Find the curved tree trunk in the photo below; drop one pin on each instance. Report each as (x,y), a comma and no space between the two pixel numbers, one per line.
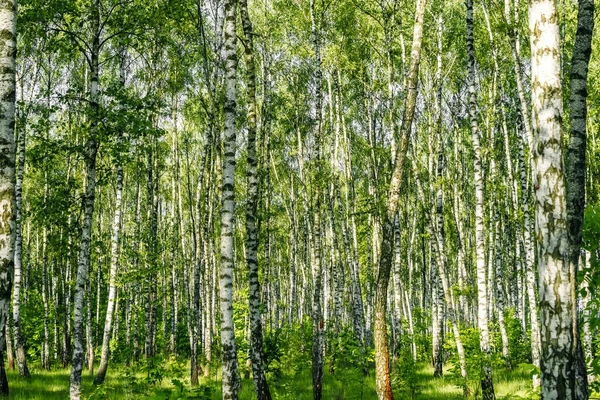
(382,368)
(114,253)
(112,290)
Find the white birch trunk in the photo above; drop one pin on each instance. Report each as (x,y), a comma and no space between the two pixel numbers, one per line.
(230,373)
(91,149)
(8,19)
(487,385)
(550,204)
(112,289)
(18,334)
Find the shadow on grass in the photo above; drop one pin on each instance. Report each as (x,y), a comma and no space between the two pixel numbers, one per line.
(54,384)
(345,384)
(508,385)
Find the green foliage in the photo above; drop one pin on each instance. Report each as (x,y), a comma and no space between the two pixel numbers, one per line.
(519,345)
(518,341)
(347,352)
(154,371)
(422,321)
(591,228)
(180,391)
(474,357)
(273,345)
(296,355)
(101,392)
(344,384)
(405,377)
(595,362)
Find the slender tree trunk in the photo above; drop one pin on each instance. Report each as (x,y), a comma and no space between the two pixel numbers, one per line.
(112,289)
(382,368)
(487,385)
(437,316)
(18,334)
(517,66)
(45,298)
(358,315)
(349,228)
(209,266)
(575,172)
(230,373)
(556,305)
(195,322)
(178,234)
(133,356)
(150,289)
(443,280)
(530,283)
(500,293)
(89,341)
(199,237)
(114,251)
(436,290)
(442,262)
(587,341)
(8,18)
(463,301)
(90,152)
(316,248)
(67,302)
(397,283)
(9,346)
(256,334)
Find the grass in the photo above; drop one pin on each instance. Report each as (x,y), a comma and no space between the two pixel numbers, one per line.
(508,385)
(345,384)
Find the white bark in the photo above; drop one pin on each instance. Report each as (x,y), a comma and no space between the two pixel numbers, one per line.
(112,289)
(8,49)
(316,251)
(230,374)
(550,203)
(91,149)
(482,292)
(18,335)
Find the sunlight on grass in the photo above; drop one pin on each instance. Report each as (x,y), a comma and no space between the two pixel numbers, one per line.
(345,384)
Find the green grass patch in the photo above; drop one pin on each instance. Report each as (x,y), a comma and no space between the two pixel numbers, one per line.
(171,382)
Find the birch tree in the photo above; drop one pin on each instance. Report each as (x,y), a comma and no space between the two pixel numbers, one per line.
(382,377)
(90,153)
(487,385)
(552,238)
(575,172)
(230,374)
(256,331)
(316,250)
(17,275)
(8,19)
(114,251)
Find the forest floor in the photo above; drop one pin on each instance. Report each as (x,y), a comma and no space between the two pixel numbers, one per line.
(345,384)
